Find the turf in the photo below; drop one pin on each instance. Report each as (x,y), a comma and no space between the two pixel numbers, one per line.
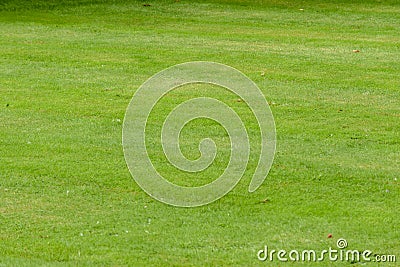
(68,70)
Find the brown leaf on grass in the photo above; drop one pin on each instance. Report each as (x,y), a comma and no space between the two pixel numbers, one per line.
(264,200)
(356,51)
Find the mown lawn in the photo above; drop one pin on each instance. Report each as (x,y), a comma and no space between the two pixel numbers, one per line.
(330,71)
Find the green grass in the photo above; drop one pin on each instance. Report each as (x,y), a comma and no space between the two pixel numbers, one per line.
(69,69)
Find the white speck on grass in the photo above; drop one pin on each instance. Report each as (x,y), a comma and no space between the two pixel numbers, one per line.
(387,191)
(81,234)
(97,222)
(147,232)
(67,192)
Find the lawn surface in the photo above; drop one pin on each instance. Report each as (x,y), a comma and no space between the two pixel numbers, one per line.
(68,69)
